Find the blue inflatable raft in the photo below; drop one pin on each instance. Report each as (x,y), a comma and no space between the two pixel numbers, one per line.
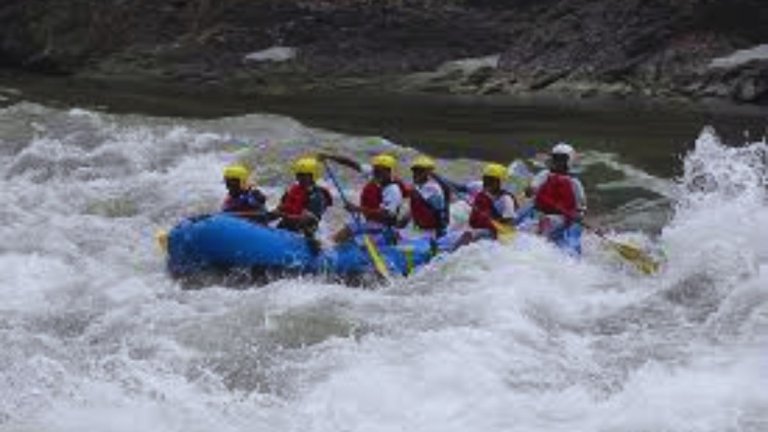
(244,252)
(568,238)
(222,243)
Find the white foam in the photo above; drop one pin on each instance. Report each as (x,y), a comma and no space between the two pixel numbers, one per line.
(470,64)
(273,54)
(493,338)
(740,57)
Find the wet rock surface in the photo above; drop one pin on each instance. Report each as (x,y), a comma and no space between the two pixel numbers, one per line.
(583,48)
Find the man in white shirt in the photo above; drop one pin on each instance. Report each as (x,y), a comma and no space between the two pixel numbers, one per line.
(380,200)
(558,196)
(429,212)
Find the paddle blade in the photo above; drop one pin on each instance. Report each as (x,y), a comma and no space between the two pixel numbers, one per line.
(638,257)
(378,261)
(505,233)
(161,240)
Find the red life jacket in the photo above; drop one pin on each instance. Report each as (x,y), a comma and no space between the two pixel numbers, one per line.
(484,210)
(298,199)
(372,197)
(424,215)
(556,196)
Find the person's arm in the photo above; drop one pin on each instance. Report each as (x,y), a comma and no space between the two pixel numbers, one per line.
(508,210)
(258,201)
(434,197)
(391,202)
(450,184)
(537,181)
(377,214)
(342,160)
(581,199)
(259,198)
(404,220)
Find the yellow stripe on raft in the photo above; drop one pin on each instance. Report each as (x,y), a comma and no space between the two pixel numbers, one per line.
(378,261)
(408,251)
(161,239)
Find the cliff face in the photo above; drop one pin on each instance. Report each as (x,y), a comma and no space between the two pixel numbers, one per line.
(585,47)
(340,37)
(659,47)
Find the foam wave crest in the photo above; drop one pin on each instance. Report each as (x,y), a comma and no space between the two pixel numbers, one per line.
(497,337)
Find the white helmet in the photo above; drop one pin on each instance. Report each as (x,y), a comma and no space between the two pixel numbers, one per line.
(566,150)
(563,149)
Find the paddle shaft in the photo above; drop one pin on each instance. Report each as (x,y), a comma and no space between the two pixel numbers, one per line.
(641,259)
(370,246)
(342,195)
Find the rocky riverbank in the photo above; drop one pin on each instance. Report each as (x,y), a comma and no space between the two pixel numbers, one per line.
(689,49)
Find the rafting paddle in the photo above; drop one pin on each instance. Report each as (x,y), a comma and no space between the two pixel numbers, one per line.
(641,259)
(638,257)
(161,240)
(370,246)
(504,233)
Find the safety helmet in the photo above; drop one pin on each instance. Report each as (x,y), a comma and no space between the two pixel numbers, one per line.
(238,172)
(563,149)
(496,170)
(307,165)
(384,160)
(424,162)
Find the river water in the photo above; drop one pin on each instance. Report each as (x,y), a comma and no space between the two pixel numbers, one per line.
(95,336)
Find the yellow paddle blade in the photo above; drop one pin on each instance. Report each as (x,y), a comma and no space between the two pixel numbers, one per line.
(505,233)
(378,261)
(161,239)
(639,258)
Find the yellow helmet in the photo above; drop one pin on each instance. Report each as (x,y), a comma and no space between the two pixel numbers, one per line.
(307,165)
(239,172)
(424,162)
(496,170)
(384,160)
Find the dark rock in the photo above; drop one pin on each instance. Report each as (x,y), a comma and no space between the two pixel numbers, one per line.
(752,87)
(479,76)
(717,90)
(545,78)
(623,46)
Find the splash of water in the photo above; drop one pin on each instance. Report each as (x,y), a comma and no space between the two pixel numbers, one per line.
(493,338)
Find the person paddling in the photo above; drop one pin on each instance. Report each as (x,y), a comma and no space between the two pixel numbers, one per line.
(242,198)
(493,207)
(380,199)
(429,201)
(558,196)
(304,203)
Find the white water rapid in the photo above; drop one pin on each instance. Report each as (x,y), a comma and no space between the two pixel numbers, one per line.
(95,337)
